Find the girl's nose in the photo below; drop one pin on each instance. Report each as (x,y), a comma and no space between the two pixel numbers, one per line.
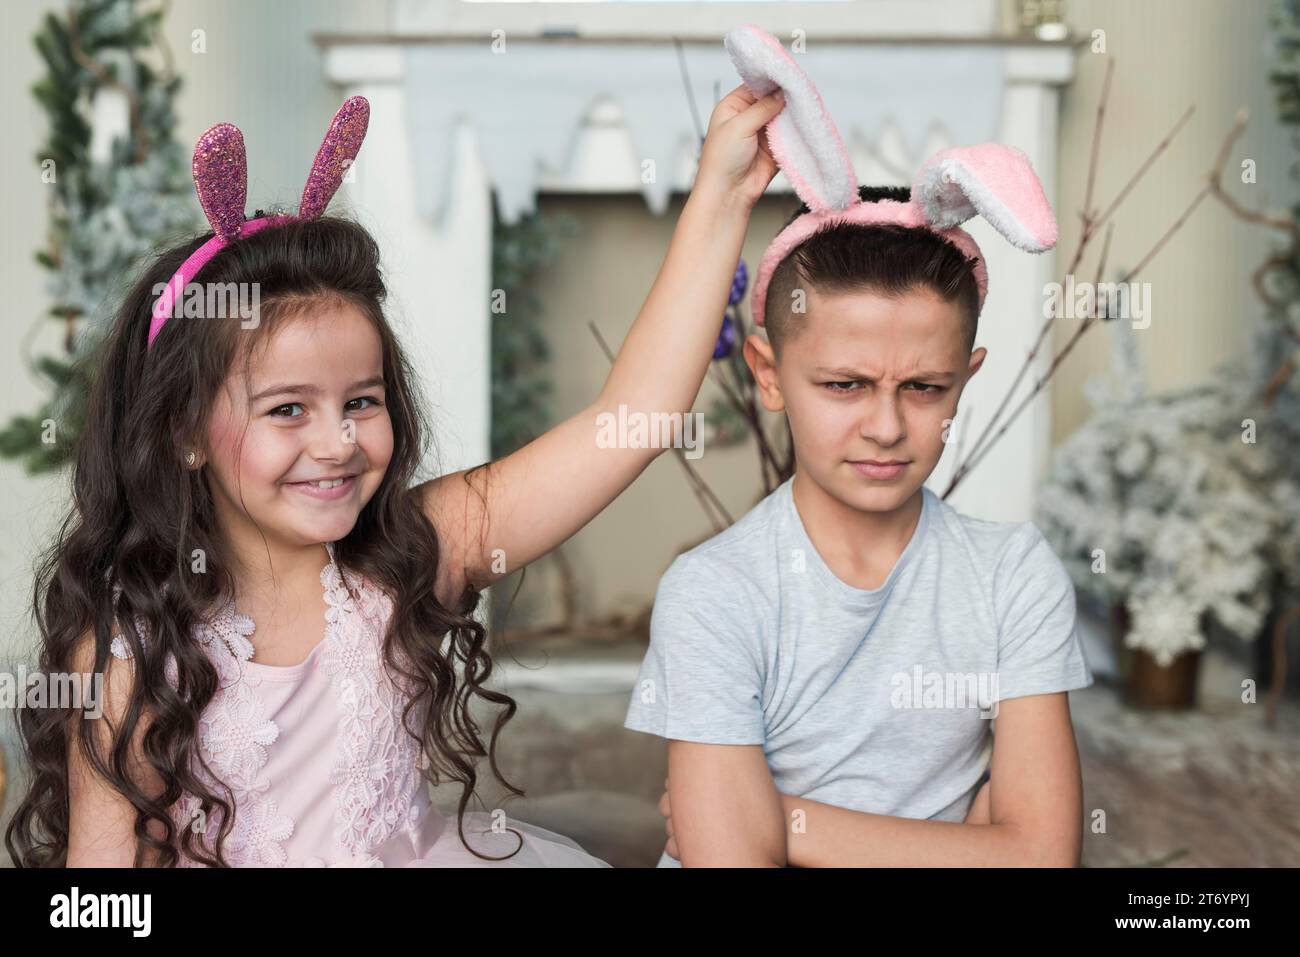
(334,441)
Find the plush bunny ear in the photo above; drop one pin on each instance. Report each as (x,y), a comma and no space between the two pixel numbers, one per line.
(990,179)
(802,137)
(337,151)
(220,170)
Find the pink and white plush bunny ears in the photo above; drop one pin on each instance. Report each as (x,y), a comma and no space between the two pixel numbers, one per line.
(990,179)
(221,179)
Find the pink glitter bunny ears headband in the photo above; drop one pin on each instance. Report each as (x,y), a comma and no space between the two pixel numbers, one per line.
(221,179)
(991,180)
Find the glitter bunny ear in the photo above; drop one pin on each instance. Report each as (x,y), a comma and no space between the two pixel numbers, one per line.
(221,178)
(337,151)
(802,137)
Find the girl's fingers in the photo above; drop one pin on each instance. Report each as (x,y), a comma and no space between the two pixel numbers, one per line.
(743,94)
(759,113)
(731,105)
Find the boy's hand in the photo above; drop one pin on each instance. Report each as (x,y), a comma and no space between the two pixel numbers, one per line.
(736,161)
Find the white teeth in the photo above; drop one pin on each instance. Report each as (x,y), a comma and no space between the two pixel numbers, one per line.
(328,483)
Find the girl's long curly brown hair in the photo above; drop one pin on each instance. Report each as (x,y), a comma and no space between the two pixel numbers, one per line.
(138,515)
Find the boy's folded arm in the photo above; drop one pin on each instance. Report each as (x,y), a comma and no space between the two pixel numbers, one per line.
(1036,808)
(726,811)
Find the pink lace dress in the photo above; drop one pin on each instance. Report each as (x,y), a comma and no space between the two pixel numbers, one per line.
(322,772)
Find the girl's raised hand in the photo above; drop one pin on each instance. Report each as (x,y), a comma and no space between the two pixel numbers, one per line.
(736,161)
(498,520)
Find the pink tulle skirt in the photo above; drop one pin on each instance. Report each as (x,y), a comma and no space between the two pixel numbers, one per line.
(432,840)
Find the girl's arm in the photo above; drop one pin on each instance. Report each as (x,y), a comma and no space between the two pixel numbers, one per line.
(502,517)
(101,821)
(1035,808)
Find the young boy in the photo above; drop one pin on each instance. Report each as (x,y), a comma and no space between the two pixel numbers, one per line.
(828,669)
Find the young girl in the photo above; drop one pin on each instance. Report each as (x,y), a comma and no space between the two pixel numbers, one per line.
(282,618)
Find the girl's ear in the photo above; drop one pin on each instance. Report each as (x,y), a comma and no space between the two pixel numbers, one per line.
(802,138)
(994,181)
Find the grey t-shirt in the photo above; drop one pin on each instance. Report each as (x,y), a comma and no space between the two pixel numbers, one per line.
(873,700)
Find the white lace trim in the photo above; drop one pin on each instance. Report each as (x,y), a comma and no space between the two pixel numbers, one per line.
(376,773)
(374,776)
(234,734)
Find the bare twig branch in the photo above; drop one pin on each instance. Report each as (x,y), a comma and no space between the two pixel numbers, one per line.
(993,429)
(1160,148)
(702,490)
(1084,326)
(1281,261)
(749,413)
(1096,148)
(1105,252)
(690,95)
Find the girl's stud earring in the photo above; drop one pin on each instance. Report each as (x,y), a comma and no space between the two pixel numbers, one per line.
(191,458)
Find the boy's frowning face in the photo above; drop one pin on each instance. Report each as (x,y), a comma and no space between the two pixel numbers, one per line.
(870,384)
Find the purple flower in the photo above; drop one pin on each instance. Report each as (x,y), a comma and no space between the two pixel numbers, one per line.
(739,284)
(726,339)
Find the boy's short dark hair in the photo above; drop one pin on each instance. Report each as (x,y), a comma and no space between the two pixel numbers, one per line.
(889,259)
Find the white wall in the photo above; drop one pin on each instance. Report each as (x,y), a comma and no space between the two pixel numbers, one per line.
(262,71)
(1169,55)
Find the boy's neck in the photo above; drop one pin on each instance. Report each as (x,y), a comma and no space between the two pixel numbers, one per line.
(860,548)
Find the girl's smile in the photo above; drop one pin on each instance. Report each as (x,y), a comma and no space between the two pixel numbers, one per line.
(328,490)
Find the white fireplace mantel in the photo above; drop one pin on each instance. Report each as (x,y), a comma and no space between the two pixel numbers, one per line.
(434,223)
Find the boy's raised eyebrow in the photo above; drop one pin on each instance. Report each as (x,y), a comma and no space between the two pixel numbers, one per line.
(292,389)
(854,374)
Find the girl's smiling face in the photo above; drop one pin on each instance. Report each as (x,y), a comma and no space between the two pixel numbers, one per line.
(311,407)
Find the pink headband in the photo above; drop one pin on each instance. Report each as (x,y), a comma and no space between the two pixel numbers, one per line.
(991,180)
(221,178)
